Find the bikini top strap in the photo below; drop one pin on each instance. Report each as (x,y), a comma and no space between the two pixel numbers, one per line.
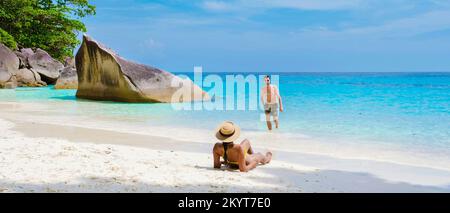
(225,157)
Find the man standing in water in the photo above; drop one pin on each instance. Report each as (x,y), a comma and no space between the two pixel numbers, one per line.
(271,99)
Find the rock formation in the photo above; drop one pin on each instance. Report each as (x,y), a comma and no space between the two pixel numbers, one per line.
(68,79)
(23,55)
(103,75)
(15,69)
(48,68)
(9,65)
(29,78)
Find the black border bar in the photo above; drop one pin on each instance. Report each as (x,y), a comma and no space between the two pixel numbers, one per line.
(229,202)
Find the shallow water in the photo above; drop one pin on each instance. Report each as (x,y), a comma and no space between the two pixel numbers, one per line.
(401,111)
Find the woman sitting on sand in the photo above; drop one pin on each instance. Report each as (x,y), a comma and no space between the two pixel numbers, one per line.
(236,156)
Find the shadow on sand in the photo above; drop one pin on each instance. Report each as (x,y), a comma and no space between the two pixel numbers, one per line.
(344,181)
(301,181)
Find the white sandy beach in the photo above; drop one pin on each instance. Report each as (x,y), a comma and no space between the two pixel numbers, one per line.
(37,155)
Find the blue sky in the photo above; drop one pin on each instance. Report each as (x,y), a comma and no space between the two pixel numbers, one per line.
(278,35)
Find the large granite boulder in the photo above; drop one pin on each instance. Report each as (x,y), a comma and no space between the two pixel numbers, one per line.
(103,75)
(23,55)
(28,78)
(9,64)
(45,65)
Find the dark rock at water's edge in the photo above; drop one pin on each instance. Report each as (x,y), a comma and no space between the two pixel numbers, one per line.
(68,79)
(103,75)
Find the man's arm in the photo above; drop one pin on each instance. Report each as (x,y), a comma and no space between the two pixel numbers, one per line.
(279,99)
(262,96)
(216,157)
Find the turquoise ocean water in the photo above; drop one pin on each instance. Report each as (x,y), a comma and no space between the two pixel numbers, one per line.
(410,110)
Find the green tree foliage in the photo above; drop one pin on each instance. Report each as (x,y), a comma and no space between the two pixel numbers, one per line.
(52,25)
(7,39)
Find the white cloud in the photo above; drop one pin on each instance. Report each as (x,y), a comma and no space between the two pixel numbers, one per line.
(404,27)
(423,23)
(216,6)
(312,4)
(237,5)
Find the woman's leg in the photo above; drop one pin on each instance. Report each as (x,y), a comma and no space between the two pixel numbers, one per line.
(252,156)
(260,158)
(247,146)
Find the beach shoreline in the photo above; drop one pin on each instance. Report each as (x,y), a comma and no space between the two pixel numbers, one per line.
(51,113)
(43,157)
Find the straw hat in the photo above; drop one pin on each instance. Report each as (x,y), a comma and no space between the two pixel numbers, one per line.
(228,132)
